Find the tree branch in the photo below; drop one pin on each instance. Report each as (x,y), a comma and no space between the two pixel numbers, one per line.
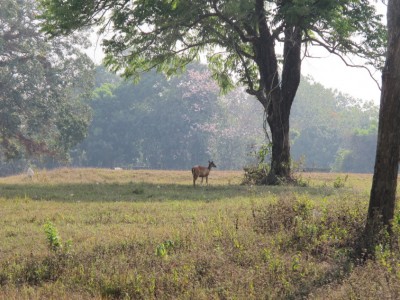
(333,50)
(245,38)
(246,69)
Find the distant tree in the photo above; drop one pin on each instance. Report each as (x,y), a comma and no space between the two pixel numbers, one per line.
(104,79)
(240,37)
(318,144)
(384,184)
(157,123)
(237,132)
(324,121)
(129,128)
(168,123)
(359,152)
(42,84)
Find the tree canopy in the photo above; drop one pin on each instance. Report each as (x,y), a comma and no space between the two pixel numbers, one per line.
(42,84)
(169,34)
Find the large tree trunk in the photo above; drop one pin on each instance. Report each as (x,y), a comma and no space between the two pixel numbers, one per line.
(383,191)
(277,96)
(280,159)
(279,106)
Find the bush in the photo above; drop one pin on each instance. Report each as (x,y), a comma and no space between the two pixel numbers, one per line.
(255,174)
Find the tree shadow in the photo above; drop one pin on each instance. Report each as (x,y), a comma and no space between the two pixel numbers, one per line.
(130,192)
(147,192)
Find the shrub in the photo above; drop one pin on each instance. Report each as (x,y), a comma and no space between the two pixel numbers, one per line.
(55,243)
(339,182)
(52,237)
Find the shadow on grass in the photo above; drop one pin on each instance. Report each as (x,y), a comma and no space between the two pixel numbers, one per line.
(148,192)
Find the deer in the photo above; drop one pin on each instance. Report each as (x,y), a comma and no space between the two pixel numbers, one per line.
(200,171)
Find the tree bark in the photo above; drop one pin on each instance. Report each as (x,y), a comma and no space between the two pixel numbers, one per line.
(279,97)
(384,184)
(280,159)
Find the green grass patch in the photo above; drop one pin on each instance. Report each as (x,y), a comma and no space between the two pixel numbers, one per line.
(147,192)
(101,234)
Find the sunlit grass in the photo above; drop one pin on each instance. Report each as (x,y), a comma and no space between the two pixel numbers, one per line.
(97,176)
(148,234)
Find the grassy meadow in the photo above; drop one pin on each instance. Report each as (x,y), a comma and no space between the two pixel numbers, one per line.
(143,234)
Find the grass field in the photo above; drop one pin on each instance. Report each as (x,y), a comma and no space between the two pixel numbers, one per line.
(105,234)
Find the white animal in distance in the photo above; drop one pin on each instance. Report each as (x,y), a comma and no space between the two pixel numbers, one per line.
(30,173)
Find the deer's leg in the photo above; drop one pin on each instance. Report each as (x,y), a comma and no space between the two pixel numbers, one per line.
(194,180)
(202,180)
(207,180)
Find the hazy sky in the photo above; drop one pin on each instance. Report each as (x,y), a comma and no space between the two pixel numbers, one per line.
(331,72)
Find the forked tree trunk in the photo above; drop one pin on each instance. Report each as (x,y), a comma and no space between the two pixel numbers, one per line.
(274,94)
(279,99)
(383,191)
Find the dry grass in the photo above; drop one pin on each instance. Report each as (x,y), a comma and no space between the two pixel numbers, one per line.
(359,182)
(92,175)
(150,235)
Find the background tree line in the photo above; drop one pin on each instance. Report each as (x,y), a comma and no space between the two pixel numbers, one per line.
(173,124)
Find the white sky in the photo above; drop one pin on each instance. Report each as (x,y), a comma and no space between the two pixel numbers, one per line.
(331,72)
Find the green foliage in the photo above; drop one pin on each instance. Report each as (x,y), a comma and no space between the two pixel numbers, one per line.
(54,240)
(264,152)
(43,85)
(164,248)
(53,237)
(323,123)
(255,174)
(359,155)
(340,182)
(169,34)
